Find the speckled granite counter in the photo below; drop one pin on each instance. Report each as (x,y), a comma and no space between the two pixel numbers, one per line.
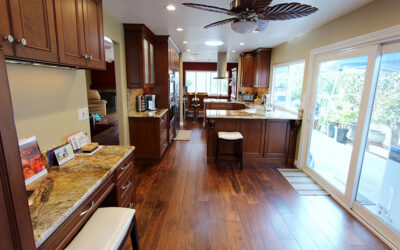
(64,188)
(252,113)
(154,114)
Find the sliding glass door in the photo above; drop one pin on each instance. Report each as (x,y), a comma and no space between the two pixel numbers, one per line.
(378,191)
(353,130)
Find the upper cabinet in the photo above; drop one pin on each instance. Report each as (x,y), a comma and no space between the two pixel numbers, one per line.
(80,33)
(256,68)
(63,32)
(140,56)
(33,35)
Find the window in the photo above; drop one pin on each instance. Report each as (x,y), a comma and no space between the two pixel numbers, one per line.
(203,81)
(288,82)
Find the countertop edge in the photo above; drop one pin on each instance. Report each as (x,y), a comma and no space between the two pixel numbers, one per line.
(54,227)
(146,115)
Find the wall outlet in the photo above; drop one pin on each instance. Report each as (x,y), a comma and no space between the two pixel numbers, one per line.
(83,114)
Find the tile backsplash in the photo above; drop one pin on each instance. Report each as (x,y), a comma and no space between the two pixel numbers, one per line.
(132,94)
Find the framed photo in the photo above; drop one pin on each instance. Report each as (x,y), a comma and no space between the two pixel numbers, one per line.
(33,165)
(64,154)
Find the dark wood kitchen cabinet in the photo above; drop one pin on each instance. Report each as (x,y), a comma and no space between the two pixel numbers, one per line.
(256,68)
(140,56)
(33,35)
(80,33)
(149,135)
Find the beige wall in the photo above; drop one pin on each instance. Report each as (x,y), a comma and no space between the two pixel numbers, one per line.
(46,102)
(374,16)
(114,30)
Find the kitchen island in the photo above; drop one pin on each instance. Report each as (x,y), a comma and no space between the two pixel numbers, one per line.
(268,136)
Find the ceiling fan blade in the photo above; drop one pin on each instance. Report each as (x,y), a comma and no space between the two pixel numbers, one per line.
(262,25)
(210,8)
(260,5)
(220,23)
(287,11)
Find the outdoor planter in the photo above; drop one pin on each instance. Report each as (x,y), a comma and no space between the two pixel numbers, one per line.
(331,129)
(341,135)
(376,137)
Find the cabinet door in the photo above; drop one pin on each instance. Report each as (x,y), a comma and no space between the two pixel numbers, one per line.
(253,134)
(6,36)
(94,34)
(277,139)
(247,75)
(34,30)
(70,31)
(263,69)
(152,77)
(134,58)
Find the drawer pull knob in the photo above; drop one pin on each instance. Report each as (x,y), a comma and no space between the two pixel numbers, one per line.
(9,38)
(23,41)
(126,166)
(126,186)
(91,207)
(130,204)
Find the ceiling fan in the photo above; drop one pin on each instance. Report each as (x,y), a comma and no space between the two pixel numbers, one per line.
(254,15)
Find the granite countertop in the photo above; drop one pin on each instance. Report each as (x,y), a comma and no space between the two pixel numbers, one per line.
(64,188)
(151,114)
(252,113)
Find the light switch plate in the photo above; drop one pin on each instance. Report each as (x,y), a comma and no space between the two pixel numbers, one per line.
(83,114)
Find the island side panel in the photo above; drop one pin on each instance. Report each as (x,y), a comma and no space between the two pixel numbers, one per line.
(264,140)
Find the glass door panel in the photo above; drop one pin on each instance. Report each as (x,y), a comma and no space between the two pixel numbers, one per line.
(379,184)
(338,96)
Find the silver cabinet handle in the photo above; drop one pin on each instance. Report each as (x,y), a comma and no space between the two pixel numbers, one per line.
(85,56)
(22,41)
(90,57)
(126,166)
(91,207)
(9,38)
(126,186)
(130,204)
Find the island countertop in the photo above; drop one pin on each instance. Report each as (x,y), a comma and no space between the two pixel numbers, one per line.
(254,112)
(150,114)
(64,188)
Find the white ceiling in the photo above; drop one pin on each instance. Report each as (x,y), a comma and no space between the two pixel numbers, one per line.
(162,22)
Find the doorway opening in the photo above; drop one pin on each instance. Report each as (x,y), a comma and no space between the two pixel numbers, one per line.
(102,100)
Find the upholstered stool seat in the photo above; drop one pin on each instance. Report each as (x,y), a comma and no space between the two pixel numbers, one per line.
(235,138)
(230,135)
(108,228)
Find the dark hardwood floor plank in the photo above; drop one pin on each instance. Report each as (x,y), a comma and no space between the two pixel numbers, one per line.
(185,203)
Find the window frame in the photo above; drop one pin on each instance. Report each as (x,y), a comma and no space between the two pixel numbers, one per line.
(211,72)
(272,91)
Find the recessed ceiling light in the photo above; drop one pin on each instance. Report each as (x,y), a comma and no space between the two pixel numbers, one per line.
(213,43)
(241,44)
(179,29)
(185,42)
(170,7)
(233,51)
(188,50)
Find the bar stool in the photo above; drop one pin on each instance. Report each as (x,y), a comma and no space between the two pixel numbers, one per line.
(108,228)
(234,138)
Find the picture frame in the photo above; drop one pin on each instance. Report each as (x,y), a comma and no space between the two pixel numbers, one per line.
(33,165)
(64,154)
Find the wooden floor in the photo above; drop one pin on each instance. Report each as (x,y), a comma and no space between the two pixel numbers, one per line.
(185,203)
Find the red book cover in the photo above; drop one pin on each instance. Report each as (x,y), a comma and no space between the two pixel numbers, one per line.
(33,165)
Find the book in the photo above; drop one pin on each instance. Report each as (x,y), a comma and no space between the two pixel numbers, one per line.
(33,165)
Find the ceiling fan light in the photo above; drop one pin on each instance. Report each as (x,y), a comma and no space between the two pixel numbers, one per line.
(244,26)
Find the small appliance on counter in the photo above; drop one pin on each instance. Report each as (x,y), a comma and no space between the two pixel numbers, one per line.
(140,103)
(151,102)
(248,98)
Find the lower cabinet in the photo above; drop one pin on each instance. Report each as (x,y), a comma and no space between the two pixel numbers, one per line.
(149,135)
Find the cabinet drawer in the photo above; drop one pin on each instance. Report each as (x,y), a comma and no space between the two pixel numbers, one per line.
(130,199)
(125,185)
(67,230)
(163,120)
(124,167)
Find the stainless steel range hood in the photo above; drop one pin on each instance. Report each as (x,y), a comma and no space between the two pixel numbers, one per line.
(222,66)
